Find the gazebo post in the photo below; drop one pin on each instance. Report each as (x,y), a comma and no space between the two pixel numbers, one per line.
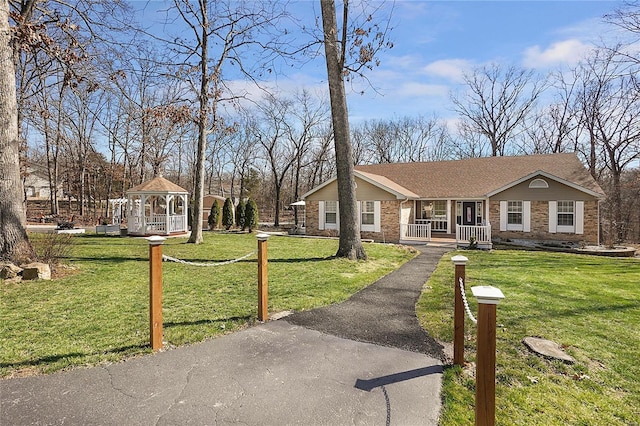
(129,211)
(185,211)
(167,223)
(143,213)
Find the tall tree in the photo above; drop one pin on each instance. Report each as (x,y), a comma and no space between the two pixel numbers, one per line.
(610,104)
(240,150)
(279,150)
(309,117)
(361,43)
(556,127)
(350,245)
(323,162)
(14,242)
(51,40)
(497,103)
(222,34)
(83,108)
(407,139)
(627,18)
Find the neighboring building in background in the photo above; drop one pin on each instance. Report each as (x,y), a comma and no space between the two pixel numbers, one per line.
(535,197)
(207,202)
(36,185)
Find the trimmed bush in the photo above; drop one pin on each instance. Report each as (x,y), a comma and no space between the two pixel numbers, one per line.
(214,215)
(227,214)
(251,215)
(240,215)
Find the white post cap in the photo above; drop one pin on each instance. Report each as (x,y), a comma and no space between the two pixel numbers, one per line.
(155,240)
(487,294)
(459,260)
(262,237)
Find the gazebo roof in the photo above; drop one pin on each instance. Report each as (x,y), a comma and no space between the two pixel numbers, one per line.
(157,185)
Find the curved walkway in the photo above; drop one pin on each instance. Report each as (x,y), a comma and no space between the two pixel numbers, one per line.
(277,373)
(384,312)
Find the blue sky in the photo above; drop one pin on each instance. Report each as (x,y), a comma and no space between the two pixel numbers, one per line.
(436,41)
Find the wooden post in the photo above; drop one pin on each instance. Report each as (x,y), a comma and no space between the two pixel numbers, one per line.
(488,299)
(458,311)
(155,291)
(263,284)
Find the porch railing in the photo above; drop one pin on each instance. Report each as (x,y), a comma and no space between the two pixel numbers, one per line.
(439,225)
(481,234)
(415,231)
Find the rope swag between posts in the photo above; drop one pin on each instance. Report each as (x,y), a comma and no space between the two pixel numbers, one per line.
(166,258)
(466,304)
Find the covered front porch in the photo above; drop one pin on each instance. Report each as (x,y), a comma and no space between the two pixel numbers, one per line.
(463,237)
(462,220)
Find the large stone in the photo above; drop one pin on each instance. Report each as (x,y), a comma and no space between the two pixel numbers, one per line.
(9,270)
(36,271)
(548,349)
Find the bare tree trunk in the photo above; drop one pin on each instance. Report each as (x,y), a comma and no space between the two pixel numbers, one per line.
(198,196)
(203,126)
(296,191)
(14,243)
(350,245)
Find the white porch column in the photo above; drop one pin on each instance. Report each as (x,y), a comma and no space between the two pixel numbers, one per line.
(449,216)
(486,212)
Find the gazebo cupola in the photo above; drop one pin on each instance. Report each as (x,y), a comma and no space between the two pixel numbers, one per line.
(157,207)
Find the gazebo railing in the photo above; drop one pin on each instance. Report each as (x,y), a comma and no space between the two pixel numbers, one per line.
(156,223)
(176,223)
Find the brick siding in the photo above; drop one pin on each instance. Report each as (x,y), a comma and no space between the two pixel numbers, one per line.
(540,224)
(389,223)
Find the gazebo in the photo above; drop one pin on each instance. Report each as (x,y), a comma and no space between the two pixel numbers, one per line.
(157,207)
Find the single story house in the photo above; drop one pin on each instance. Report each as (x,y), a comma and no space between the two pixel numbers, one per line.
(534,197)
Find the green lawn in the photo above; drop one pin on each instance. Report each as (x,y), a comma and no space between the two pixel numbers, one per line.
(99,313)
(590,305)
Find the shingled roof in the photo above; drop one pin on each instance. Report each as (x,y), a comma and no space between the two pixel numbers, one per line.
(479,177)
(387,184)
(158,184)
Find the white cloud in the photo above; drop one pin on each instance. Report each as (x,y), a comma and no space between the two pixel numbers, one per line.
(592,30)
(414,89)
(411,9)
(452,69)
(567,52)
(404,62)
(284,86)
